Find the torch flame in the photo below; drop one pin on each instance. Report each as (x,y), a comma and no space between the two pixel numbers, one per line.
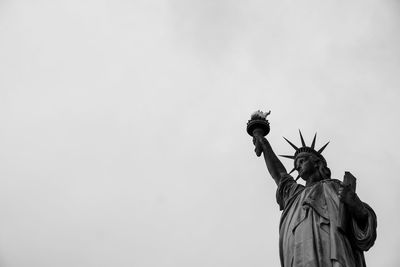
(260,115)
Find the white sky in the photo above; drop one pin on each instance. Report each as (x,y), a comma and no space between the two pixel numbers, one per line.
(122,125)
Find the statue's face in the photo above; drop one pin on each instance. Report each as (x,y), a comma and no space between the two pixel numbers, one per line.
(305,165)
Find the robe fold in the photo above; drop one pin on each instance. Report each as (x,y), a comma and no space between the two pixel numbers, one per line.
(309,230)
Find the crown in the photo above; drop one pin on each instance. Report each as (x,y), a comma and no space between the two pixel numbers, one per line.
(305,149)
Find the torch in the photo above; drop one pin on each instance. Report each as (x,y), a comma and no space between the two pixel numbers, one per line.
(258,126)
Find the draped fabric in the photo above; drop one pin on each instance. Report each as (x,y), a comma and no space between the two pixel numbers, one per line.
(309,231)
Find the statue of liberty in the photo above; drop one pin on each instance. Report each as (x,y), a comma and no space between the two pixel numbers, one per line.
(324,222)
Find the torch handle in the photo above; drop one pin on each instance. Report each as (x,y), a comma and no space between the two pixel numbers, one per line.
(258,133)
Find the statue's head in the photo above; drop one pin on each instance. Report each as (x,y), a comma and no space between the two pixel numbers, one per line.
(310,164)
(308,161)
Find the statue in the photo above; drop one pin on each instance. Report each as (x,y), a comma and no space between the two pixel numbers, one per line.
(323,223)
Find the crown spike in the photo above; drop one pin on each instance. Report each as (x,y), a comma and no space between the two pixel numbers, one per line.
(322,148)
(290,143)
(297,178)
(302,139)
(292,170)
(313,141)
(287,156)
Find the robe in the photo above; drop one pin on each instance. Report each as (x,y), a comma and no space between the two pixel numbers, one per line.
(310,234)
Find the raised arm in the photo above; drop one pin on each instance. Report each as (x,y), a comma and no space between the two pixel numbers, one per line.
(274,165)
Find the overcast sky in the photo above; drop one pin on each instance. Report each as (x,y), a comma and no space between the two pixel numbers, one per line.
(122,125)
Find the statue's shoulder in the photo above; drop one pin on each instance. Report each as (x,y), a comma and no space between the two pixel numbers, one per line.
(332,180)
(333,183)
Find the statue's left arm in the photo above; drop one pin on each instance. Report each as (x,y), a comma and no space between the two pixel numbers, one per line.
(363,219)
(364,234)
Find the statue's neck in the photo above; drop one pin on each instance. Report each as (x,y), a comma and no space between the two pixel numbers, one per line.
(315,177)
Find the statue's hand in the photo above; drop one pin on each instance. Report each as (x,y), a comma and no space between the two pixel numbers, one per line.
(258,143)
(349,197)
(353,202)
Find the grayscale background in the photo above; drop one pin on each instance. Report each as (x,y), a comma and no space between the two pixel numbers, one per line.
(122,125)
